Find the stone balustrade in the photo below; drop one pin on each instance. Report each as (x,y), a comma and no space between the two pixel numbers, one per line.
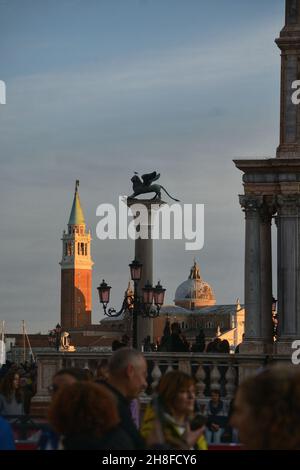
(211,371)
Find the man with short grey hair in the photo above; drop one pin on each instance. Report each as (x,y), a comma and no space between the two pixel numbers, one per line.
(127,379)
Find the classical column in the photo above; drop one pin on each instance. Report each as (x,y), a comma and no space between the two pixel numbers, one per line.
(252,206)
(289,44)
(266,213)
(288,223)
(258,274)
(144,254)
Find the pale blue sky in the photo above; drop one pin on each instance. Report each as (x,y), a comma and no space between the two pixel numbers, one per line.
(97,89)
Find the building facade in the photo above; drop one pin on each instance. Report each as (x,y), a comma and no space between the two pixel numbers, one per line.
(272,194)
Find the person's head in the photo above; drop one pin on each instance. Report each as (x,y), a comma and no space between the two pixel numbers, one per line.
(267,408)
(175,328)
(67,376)
(10,386)
(128,372)
(102,370)
(116,344)
(84,409)
(176,392)
(224,346)
(125,340)
(215,396)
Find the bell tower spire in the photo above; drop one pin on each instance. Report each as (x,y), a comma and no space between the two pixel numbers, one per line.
(76,270)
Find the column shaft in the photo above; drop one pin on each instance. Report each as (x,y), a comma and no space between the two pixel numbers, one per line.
(144,254)
(266,273)
(288,267)
(251,207)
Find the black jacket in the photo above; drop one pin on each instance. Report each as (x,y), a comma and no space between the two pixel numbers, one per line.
(127,423)
(116,439)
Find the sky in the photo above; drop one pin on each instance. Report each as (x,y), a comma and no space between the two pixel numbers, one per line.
(98,89)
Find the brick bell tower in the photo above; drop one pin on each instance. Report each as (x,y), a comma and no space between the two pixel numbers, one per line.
(76,270)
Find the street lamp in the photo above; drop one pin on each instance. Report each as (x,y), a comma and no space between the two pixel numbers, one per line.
(148,306)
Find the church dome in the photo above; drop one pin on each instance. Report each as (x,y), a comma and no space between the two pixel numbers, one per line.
(194,292)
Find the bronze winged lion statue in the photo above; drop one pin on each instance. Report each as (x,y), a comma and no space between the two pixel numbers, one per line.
(144,186)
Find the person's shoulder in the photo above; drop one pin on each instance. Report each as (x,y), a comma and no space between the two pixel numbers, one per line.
(4,424)
(117,439)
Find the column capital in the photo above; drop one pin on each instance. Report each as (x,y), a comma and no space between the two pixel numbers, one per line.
(267,210)
(288,205)
(251,203)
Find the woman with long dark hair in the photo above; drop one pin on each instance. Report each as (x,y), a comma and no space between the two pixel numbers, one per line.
(11,399)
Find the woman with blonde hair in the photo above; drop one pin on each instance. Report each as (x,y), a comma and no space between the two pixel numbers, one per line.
(172,411)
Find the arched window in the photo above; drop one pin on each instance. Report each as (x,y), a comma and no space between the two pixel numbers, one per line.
(69,248)
(85,249)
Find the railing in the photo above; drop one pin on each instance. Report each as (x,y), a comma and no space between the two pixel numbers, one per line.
(210,371)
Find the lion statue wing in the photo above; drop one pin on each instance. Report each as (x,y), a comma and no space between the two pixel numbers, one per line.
(148,178)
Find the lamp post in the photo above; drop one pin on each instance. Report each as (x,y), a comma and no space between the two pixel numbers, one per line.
(147,306)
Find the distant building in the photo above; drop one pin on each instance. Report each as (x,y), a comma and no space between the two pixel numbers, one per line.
(76,270)
(195,309)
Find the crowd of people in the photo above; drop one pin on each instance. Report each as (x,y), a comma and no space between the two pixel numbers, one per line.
(102,411)
(173,340)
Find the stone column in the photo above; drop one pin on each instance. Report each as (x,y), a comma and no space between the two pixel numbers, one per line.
(288,223)
(266,330)
(258,274)
(144,254)
(251,206)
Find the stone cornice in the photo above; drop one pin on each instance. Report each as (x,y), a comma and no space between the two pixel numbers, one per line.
(269,165)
